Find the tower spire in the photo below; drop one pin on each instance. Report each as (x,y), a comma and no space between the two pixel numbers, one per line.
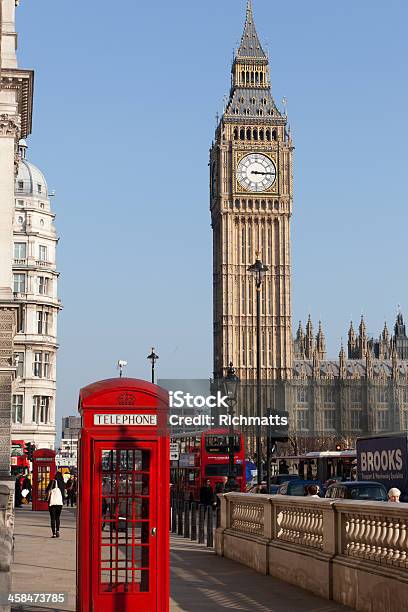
(250,44)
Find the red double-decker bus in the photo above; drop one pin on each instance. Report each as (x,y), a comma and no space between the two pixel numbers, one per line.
(204,456)
(19,457)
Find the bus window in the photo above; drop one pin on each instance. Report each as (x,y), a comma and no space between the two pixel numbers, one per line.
(220,444)
(222,470)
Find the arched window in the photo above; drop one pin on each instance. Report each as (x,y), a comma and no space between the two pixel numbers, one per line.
(243,77)
(274,135)
(255,134)
(236,133)
(242,134)
(248,134)
(247,78)
(256,78)
(268,134)
(261,135)
(261,78)
(252,78)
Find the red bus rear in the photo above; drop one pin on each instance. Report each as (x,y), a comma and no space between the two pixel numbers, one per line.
(203,457)
(19,457)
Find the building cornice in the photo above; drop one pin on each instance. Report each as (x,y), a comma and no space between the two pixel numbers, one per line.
(21,81)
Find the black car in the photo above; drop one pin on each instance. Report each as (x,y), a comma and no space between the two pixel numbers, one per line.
(299,487)
(361,490)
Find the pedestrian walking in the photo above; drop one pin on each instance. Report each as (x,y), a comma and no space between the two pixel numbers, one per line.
(18,498)
(394,495)
(206,494)
(70,488)
(26,487)
(312,491)
(55,503)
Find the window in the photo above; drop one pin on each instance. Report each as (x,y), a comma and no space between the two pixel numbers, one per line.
(383,419)
(405,419)
(329,419)
(43,321)
(356,396)
(302,419)
(383,395)
(19,282)
(355,419)
(302,395)
(20,202)
(41,409)
(39,187)
(42,253)
(20,250)
(42,205)
(20,185)
(43,285)
(42,364)
(19,362)
(328,395)
(17,409)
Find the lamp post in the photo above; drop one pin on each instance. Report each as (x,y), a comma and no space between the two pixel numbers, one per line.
(153,358)
(230,384)
(258,269)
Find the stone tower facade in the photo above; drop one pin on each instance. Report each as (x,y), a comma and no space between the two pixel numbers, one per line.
(251,205)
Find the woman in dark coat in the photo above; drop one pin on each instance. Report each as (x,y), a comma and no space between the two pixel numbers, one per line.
(18,498)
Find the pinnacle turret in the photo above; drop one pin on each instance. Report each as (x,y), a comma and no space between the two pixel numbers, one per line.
(321,342)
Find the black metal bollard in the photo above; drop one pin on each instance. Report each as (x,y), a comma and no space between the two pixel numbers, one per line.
(210,526)
(180,517)
(194,521)
(201,518)
(174,515)
(186,519)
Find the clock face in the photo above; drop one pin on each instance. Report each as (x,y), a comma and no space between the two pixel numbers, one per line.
(256,172)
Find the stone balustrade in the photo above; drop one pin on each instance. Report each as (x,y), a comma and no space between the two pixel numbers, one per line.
(353,552)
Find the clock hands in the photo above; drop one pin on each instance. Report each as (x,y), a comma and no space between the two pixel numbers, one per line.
(263,173)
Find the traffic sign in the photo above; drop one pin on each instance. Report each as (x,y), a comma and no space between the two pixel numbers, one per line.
(174,451)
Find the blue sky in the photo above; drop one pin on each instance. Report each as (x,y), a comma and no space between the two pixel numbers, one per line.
(125,99)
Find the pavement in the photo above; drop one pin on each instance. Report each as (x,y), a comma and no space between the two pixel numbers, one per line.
(200,581)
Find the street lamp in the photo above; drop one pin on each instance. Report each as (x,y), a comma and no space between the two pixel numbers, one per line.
(153,358)
(230,384)
(258,269)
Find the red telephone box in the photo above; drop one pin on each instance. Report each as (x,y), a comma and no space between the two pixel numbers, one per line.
(43,470)
(123,501)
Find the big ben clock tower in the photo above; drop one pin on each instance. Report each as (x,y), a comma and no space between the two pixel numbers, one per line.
(251,205)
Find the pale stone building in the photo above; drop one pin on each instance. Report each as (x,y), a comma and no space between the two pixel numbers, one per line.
(16,97)
(251,195)
(35,279)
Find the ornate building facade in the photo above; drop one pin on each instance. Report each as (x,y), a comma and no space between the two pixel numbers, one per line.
(364,391)
(251,196)
(35,280)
